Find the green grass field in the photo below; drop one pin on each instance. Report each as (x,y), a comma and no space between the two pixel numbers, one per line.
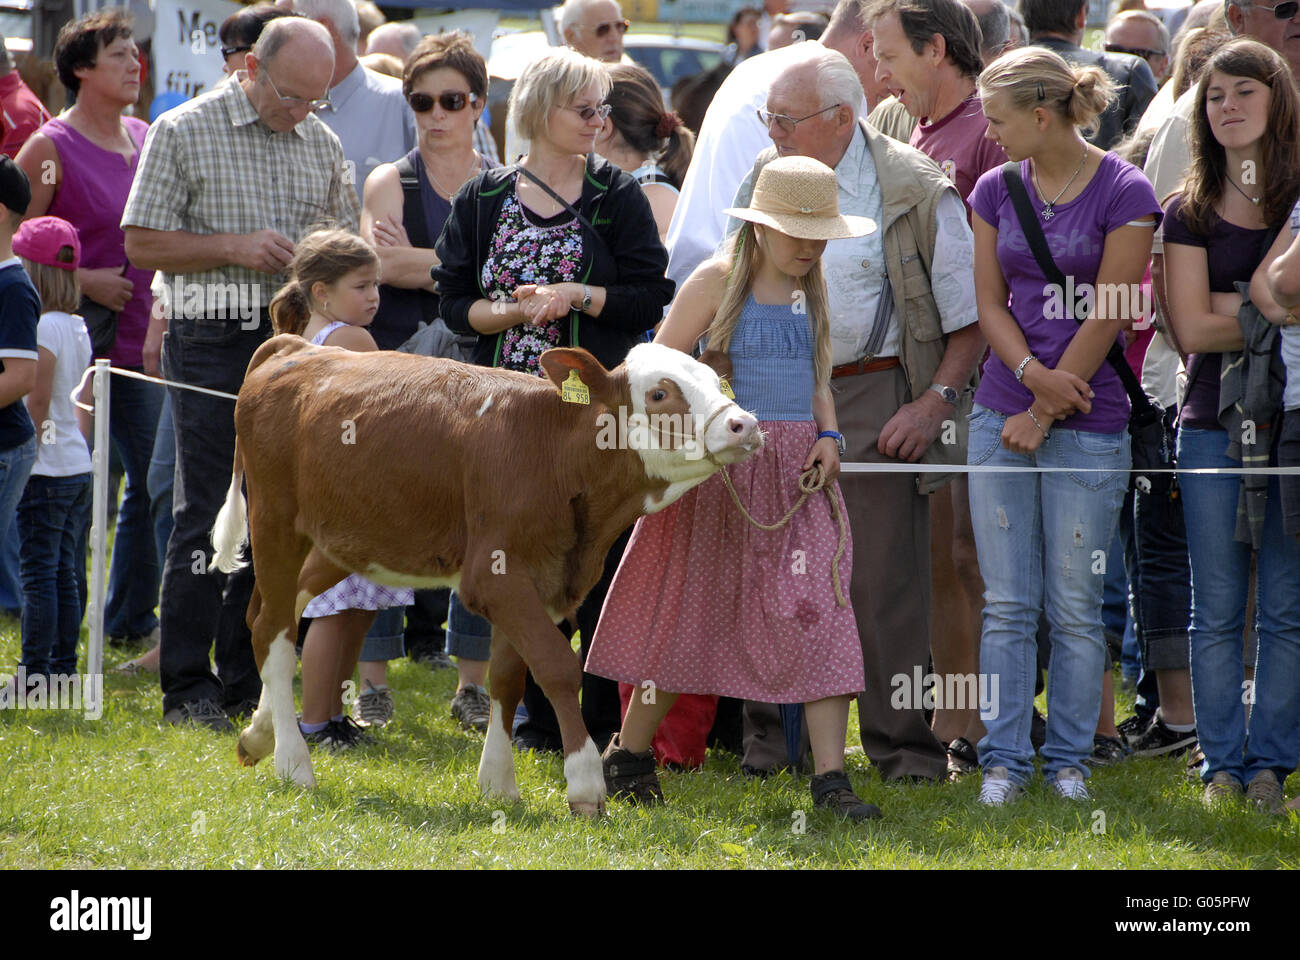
(129,791)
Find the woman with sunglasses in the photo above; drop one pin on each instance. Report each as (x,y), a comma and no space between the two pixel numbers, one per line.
(558,250)
(445,82)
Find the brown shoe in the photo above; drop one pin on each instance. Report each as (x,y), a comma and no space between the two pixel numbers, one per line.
(631,776)
(1265,793)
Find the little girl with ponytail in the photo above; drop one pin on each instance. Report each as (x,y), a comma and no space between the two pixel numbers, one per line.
(331,296)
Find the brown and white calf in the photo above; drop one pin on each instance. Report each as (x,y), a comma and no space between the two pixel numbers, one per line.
(418,472)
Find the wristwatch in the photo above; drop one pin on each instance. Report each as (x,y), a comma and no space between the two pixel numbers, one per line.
(837,437)
(586,298)
(948,393)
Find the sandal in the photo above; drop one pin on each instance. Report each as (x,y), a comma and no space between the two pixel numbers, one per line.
(962,759)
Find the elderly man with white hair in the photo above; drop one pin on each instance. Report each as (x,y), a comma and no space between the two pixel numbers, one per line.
(905,341)
(732,135)
(366,110)
(594,28)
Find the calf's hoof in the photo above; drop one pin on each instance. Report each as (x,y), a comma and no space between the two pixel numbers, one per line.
(245,758)
(591,811)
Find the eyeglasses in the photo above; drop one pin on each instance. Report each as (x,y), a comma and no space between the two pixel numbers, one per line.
(231,51)
(787,124)
(602,29)
(318,103)
(587,113)
(450,100)
(1283,11)
(1145,54)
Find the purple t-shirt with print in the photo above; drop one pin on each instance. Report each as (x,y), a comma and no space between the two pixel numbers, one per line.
(1076,236)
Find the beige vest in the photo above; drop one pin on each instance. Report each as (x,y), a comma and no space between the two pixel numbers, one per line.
(910,186)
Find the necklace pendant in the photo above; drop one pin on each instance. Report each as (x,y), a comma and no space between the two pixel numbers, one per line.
(1047,212)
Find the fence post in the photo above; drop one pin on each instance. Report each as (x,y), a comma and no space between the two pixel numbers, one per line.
(98,541)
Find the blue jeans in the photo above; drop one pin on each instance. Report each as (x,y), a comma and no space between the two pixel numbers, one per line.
(1038,537)
(1220,579)
(15,467)
(162,470)
(134,575)
(53,524)
(384,639)
(204,612)
(469,636)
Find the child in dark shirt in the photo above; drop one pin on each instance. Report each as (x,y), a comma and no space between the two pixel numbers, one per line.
(20,308)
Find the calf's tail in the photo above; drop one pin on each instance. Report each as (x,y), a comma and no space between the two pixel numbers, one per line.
(230,532)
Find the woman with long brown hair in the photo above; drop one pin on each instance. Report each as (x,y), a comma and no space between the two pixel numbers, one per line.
(1243,180)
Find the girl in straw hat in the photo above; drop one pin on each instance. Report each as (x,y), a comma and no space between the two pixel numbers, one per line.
(705,601)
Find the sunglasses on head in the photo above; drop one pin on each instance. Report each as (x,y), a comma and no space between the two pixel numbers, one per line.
(1143,53)
(1285,10)
(451,101)
(602,29)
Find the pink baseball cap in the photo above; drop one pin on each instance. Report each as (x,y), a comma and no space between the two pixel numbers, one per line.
(51,241)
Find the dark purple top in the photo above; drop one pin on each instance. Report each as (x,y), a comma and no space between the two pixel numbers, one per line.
(1076,236)
(91,196)
(1232,253)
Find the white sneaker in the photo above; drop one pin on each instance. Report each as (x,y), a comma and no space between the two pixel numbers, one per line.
(1070,785)
(998,789)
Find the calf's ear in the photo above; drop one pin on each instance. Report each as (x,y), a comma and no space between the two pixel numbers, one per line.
(719,360)
(558,361)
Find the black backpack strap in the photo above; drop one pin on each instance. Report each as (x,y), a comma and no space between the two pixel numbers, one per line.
(1037,241)
(417,229)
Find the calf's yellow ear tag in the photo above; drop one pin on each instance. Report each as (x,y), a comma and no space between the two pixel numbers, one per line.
(725,387)
(573,390)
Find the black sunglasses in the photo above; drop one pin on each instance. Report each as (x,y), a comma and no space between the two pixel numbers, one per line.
(231,51)
(451,101)
(602,30)
(1148,54)
(1285,10)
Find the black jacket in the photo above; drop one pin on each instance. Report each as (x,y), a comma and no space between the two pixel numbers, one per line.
(628,260)
(1135,82)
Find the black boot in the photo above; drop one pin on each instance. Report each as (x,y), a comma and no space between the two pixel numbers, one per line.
(631,776)
(833,791)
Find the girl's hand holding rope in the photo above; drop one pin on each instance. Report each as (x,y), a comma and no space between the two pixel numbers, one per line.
(825,454)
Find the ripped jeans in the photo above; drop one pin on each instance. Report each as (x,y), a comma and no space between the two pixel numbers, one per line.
(1043,538)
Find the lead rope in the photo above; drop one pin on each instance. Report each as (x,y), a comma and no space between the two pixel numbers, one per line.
(810,481)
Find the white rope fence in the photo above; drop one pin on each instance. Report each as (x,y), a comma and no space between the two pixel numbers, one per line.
(102,371)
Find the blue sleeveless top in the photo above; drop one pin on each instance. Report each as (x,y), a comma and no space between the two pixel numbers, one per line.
(772,361)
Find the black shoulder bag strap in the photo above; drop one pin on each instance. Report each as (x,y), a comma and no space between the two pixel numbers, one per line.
(559,199)
(417,230)
(1037,241)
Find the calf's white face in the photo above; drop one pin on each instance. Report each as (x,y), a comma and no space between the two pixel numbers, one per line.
(681,424)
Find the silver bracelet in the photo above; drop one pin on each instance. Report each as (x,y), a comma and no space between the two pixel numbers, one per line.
(1030,411)
(1020,370)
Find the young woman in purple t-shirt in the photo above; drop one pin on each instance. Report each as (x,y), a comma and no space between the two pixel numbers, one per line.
(1242,182)
(1048,398)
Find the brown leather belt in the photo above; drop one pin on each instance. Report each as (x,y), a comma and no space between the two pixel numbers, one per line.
(864,366)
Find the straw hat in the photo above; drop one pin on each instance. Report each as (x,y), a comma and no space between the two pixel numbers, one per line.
(800,197)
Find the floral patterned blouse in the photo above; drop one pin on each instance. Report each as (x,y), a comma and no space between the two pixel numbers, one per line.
(529,249)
